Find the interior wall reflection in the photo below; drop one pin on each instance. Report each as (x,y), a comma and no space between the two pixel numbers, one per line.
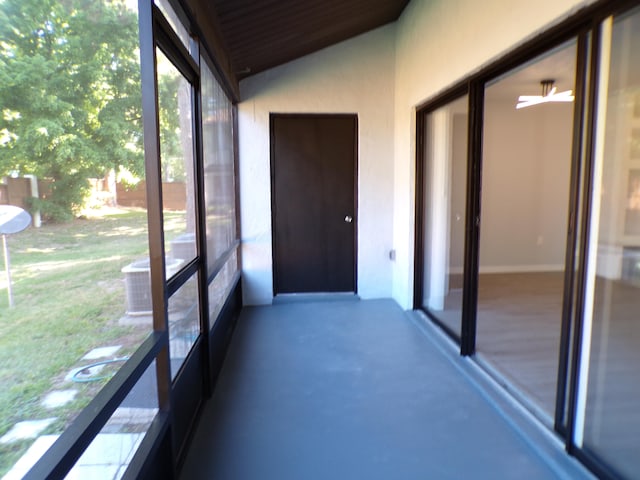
(445,168)
(608,419)
(526,174)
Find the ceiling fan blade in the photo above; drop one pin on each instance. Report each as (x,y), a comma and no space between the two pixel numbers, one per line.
(566,93)
(527,98)
(529,103)
(566,96)
(553,96)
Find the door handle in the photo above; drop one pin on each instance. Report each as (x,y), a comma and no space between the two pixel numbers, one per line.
(348,219)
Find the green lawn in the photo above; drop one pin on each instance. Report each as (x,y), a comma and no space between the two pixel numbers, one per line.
(69,294)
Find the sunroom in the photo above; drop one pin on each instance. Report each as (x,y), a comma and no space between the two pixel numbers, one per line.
(319,235)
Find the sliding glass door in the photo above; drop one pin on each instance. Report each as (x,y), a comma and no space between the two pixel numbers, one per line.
(528,229)
(607,424)
(443,179)
(526,177)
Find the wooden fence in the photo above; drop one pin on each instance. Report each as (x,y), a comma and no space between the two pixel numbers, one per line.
(17,191)
(174,195)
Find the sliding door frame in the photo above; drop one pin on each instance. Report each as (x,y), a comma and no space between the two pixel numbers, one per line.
(584,26)
(588,458)
(472,228)
(418,272)
(571,310)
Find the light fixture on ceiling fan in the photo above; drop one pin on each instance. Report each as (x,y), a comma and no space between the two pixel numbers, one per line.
(549,94)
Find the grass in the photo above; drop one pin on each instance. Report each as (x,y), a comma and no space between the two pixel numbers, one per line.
(69,294)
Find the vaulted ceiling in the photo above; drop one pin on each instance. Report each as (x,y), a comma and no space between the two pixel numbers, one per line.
(262,34)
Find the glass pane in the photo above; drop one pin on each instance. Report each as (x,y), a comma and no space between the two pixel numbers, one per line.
(611,417)
(219,190)
(184,322)
(526,175)
(108,455)
(172,17)
(220,287)
(177,165)
(445,181)
(72,154)
(112,449)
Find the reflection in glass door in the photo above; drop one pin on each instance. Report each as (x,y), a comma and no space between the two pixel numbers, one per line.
(607,413)
(526,178)
(444,171)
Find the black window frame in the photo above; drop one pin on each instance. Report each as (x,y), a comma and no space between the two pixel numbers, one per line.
(160,453)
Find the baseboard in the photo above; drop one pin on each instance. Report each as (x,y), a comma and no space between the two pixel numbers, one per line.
(521,268)
(315,297)
(550,267)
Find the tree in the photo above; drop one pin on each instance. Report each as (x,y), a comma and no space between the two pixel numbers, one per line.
(69,94)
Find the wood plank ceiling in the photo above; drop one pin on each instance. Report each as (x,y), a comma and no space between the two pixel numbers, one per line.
(262,34)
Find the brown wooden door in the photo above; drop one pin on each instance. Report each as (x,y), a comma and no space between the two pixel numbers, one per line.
(313,180)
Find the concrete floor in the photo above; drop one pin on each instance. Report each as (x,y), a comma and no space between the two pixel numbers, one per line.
(361,390)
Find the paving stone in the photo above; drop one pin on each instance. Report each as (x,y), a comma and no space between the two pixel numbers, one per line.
(94,472)
(111,449)
(105,458)
(30,457)
(26,429)
(58,398)
(132,416)
(136,321)
(102,352)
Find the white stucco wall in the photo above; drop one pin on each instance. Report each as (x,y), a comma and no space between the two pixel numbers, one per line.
(438,43)
(382,76)
(356,76)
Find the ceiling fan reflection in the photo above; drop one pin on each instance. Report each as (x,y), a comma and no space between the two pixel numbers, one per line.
(549,94)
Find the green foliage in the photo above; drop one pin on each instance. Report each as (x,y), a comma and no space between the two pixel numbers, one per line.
(68,194)
(170,82)
(69,295)
(69,94)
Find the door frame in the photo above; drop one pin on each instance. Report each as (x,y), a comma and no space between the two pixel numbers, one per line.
(474,87)
(421,204)
(272,118)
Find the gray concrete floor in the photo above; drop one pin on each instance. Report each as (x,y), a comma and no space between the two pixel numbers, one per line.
(361,390)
